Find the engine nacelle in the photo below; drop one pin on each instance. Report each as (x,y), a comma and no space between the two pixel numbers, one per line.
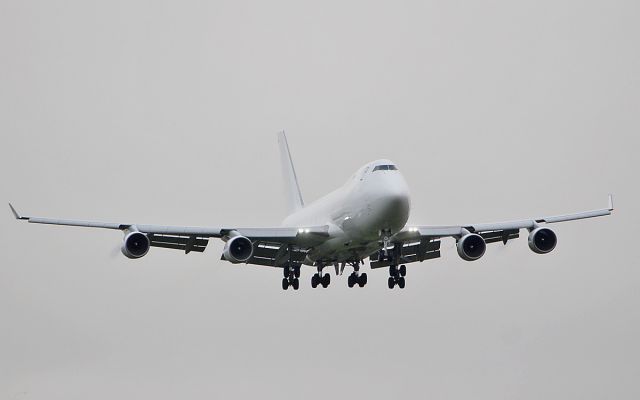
(471,247)
(238,249)
(542,240)
(135,245)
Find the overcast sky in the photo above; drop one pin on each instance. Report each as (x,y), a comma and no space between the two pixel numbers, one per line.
(167,112)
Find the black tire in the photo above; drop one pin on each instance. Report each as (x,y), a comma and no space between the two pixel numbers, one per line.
(393,271)
(295,284)
(391,282)
(351,281)
(362,280)
(403,270)
(285,272)
(401,282)
(296,271)
(285,284)
(314,281)
(326,280)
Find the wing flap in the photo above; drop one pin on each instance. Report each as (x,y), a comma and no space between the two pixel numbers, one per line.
(276,254)
(186,243)
(410,252)
(500,236)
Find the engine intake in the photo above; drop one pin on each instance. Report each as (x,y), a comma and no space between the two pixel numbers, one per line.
(238,249)
(471,247)
(542,240)
(135,245)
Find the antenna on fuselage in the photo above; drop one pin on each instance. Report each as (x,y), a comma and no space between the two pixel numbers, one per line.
(292,189)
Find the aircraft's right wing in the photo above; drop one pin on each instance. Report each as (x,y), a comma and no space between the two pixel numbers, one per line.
(272,245)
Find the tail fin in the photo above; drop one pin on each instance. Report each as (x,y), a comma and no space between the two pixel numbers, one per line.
(294,197)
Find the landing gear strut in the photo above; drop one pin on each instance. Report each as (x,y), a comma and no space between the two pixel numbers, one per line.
(386,241)
(291,275)
(357,278)
(320,278)
(396,276)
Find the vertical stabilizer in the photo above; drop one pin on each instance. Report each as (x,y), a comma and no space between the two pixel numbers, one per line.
(294,197)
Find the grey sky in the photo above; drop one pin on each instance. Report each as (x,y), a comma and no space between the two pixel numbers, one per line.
(166,112)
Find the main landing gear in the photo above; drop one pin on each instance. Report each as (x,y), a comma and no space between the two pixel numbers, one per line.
(396,276)
(320,278)
(357,278)
(291,277)
(354,279)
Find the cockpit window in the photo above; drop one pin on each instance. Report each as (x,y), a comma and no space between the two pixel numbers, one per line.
(385,168)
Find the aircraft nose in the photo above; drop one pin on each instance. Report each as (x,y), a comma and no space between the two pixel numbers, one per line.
(395,197)
(392,211)
(397,201)
(396,194)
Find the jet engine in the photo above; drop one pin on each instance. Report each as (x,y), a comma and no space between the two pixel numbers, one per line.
(542,240)
(135,245)
(238,249)
(471,247)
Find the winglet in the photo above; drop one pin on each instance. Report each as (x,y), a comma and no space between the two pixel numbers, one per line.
(610,202)
(15,213)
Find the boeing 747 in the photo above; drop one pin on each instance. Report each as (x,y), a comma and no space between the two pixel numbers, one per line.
(365,218)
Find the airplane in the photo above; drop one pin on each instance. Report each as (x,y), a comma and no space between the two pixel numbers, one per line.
(365,218)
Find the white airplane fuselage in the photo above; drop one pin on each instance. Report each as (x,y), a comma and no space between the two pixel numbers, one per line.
(368,206)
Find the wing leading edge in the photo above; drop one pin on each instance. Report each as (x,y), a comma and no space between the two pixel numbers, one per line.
(190,238)
(435,232)
(421,243)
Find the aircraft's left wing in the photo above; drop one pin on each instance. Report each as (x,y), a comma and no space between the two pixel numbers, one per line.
(190,238)
(507,226)
(422,242)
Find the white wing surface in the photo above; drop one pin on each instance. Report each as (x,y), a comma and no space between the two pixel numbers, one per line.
(458,230)
(420,243)
(268,242)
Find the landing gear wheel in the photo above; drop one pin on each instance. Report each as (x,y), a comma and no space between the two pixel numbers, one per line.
(391,282)
(285,272)
(362,280)
(326,280)
(296,272)
(393,271)
(403,270)
(295,284)
(285,284)
(401,282)
(315,280)
(351,281)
